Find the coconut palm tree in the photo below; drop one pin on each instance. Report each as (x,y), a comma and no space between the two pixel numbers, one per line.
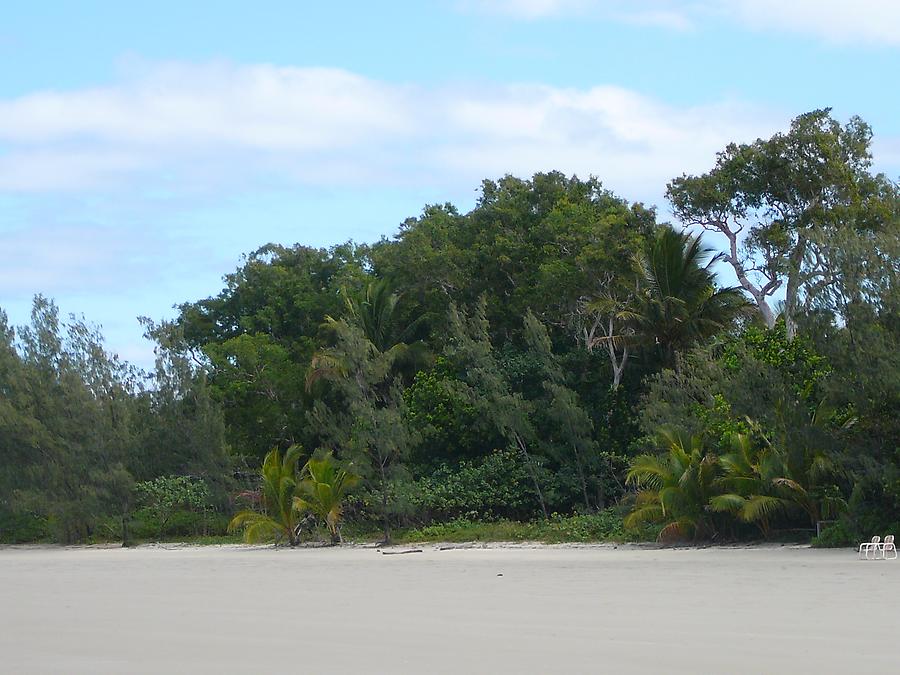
(674,488)
(365,361)
(373,312)
(762,480)
(322,488)
(280,517)
(679,304)
(809,472)
(756,487)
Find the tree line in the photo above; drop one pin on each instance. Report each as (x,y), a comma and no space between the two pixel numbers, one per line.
(555,350)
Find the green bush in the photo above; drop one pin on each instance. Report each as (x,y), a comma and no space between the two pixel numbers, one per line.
(166,502)
(837,535)
(493,487)
(146,524)
(603,526)
(22,528)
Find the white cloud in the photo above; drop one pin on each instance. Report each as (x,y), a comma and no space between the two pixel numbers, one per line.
(837,21)
(527,9)
(632,142)
(658,18)
(668,14)
(197,125)
(260,107)
(48,168)
(840,21)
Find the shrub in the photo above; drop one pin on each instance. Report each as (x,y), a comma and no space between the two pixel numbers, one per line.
(495,486)
(21,528)
(163,497)
(837,535)
(603,526)
(181,523)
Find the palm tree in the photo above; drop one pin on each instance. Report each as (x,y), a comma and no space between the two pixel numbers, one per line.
(679,304)
(367,354)
(764,480)
(322,488)
(755,484)
(374,311)
(675,488)
(809,472)
(280,519)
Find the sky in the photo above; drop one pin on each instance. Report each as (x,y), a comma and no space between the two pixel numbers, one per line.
(145,147)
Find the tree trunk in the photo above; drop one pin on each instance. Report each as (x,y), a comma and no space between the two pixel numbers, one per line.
(533,474)
(618,367)
(384,506)
(793,288)
(765,311)
(759,293)
(126,539)
(584,490)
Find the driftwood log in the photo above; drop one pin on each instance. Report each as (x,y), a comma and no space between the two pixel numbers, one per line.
(412,550)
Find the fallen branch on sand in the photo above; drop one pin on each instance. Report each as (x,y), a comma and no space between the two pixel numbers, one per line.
(412,550)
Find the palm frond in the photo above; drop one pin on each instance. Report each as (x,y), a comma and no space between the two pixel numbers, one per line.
(790,484)
(647,470)
(727,503)
(758,507)
(683,528)
(646,514)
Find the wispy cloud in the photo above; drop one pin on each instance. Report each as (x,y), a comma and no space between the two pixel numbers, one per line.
(83,138)
(209,125)
(836,21)
(668,14)
(658,18)
(527,9)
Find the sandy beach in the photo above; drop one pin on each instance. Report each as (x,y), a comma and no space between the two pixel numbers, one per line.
(355,610)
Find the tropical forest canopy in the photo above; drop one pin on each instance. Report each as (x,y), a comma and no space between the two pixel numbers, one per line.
(555,350)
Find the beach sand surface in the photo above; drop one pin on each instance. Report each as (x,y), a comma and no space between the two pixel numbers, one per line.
(355,610)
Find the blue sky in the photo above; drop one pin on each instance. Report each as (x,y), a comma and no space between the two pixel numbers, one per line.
(144,148)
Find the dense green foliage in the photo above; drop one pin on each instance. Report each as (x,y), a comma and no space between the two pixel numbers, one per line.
(602,526)
(78,428)
(164,497)
(555,350)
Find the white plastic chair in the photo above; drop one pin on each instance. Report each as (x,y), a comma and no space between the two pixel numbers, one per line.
(887,546)
(867,546)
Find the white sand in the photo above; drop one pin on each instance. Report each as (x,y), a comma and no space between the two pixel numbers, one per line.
(554,610)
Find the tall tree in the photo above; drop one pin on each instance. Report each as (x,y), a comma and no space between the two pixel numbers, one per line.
(563,408)
(366,412)
(74,421)
(470,350)
(778,201)
(540,243)
(374,311)
(258,334)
